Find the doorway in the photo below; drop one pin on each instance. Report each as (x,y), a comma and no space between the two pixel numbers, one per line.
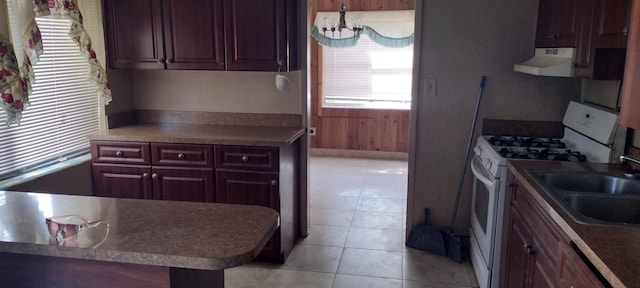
(364,133)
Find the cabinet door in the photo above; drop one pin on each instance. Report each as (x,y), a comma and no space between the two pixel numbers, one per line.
(558,22)
(193,32)
(251,188)
(248,187)
(256,36)
(602,39)
(183,184)
(630,103)
(122,181)
(518,251)
(134,34)
(612,23)
(541,265)
(572,271)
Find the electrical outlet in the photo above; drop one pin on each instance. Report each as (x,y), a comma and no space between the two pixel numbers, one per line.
(312,131)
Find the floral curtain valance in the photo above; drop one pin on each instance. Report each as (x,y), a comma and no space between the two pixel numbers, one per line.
(18,57)
(387,28)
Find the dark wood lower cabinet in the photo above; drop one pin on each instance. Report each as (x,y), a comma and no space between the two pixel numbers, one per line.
(538,253)
(573,271)
(251,175)
(183,184)
(21,270)
(145,182)
(122,181)
(252,188)
(519,236)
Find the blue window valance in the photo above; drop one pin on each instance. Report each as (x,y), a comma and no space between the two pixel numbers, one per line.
(387,28)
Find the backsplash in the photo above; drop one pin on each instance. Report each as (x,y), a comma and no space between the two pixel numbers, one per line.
(215,91)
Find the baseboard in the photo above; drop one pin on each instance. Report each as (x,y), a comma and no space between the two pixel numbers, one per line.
(359,154)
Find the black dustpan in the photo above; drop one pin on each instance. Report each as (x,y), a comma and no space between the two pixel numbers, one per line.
(426,238)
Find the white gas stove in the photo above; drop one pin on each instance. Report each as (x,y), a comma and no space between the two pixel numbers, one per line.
(588,136)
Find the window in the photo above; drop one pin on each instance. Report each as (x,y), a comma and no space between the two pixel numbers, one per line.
(64,106)
(367,76)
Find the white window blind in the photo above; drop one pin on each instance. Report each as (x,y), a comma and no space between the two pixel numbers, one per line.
(64,106)
(367,76)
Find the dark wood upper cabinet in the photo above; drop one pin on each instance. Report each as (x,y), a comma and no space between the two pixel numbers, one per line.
(193,34)
(134,33)
(630,104)
(558,23)
(239,35)
(165,34)
(611,25)
(603,39)
(596,28)
(256,34)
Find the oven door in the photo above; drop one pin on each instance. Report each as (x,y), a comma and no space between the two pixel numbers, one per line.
(484,208)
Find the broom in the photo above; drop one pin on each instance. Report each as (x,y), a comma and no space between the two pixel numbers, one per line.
(452,242)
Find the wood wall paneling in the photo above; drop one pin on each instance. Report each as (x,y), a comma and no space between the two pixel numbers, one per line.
(355,129)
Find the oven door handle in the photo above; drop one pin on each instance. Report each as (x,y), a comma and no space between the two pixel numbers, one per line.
(481,173)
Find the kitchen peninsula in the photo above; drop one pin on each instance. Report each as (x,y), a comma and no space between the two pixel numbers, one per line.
(204,157)
(147,243)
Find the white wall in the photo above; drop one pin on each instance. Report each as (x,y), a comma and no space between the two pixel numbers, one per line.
(460,41)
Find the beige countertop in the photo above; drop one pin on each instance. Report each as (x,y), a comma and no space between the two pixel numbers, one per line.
(205,236)
(203,134)
(613,249)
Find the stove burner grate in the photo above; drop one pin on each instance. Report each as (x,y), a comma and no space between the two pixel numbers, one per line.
(534,142)
(542,154)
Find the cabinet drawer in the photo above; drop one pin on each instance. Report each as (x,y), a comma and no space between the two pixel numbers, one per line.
(181,155)
(120,152)
(245,157)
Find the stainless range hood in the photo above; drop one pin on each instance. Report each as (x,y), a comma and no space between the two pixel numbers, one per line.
(556,62)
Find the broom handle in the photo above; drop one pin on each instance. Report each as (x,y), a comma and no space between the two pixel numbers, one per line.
(466,155)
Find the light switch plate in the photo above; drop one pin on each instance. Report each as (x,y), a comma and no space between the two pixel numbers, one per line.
(430,87)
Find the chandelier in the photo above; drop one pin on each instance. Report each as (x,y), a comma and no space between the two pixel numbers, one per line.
(342,24)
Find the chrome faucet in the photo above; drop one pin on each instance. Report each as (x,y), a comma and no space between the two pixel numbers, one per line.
(624,158)
(632,172)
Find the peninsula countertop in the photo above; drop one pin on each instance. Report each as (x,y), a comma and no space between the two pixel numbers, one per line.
(612,249)
(203,134)
(206,236)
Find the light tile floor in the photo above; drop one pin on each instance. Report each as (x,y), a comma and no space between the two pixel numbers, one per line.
(358,211)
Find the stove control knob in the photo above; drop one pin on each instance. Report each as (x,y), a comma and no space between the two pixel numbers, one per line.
(486,162)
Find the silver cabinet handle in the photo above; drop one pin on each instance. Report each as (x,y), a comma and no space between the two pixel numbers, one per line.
(245,158)
(527,249)
(154,176)
(180,156)
(161,61)
(170,61)
(145,175)
(274,182)
(119,153)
